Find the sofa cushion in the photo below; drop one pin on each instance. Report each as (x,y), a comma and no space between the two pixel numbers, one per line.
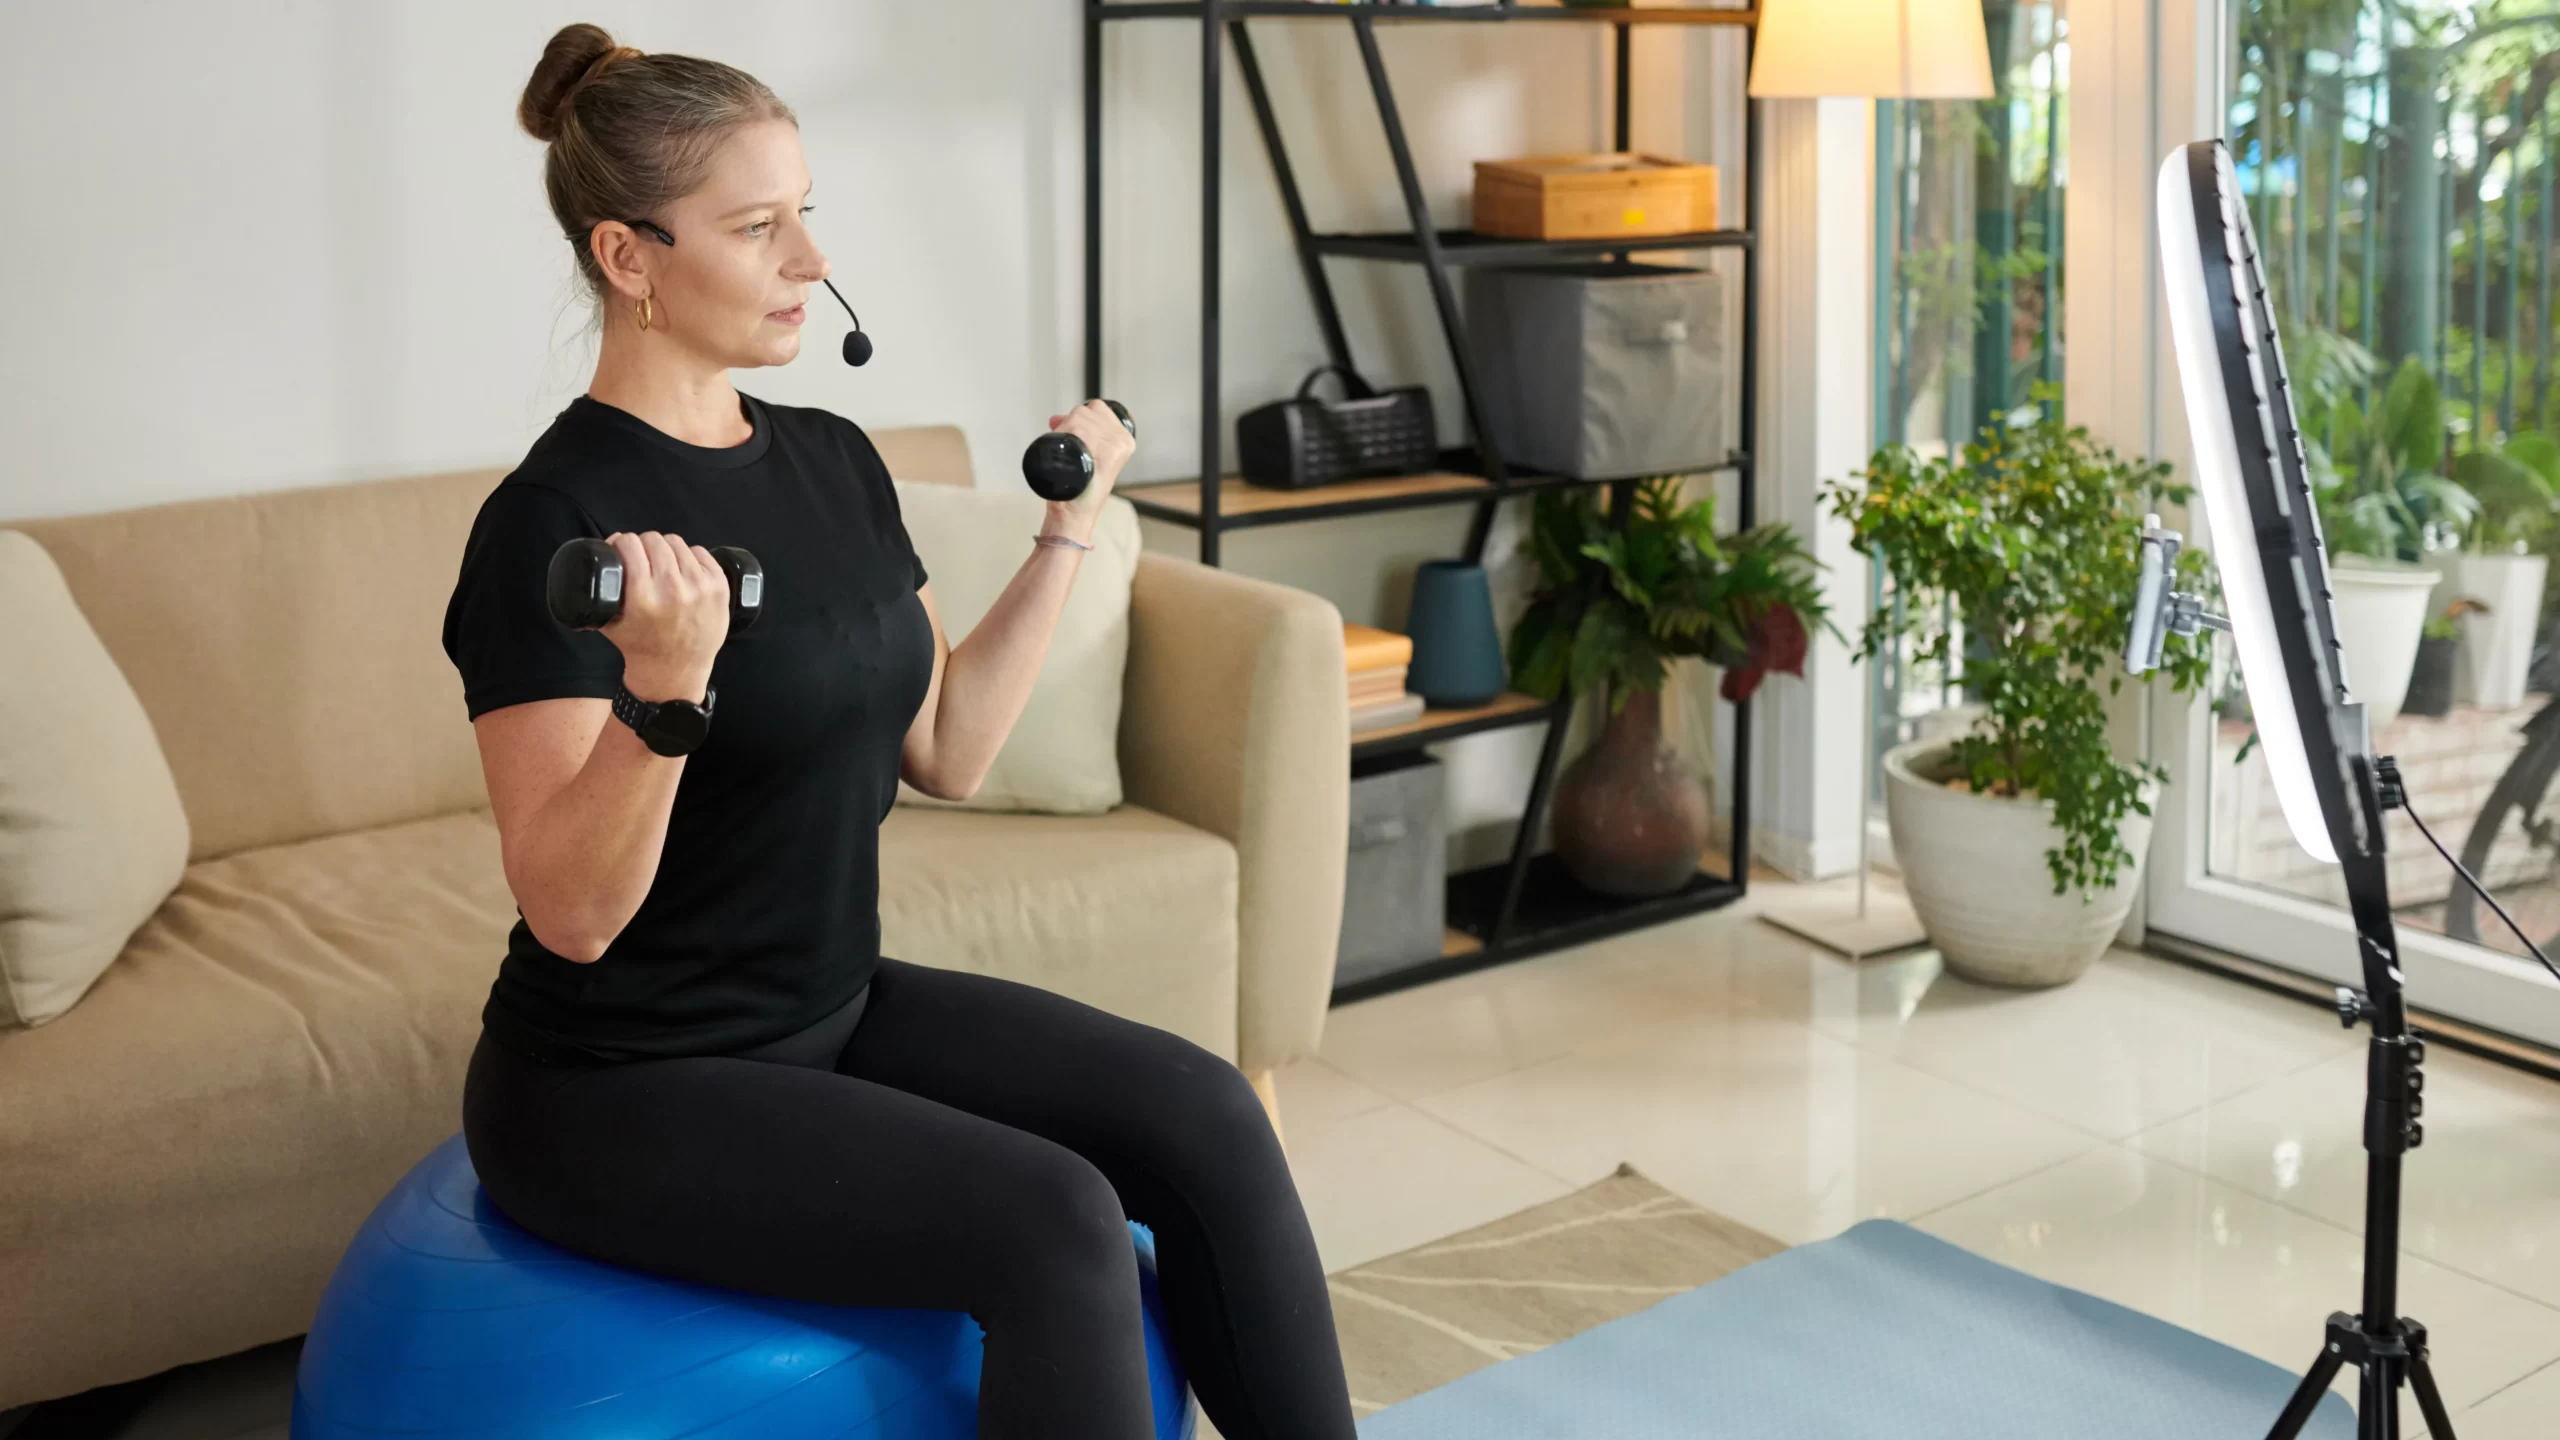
(1130,912)
(189,1148)
(92,834)
(1063,756)
(285,643)
(925,454)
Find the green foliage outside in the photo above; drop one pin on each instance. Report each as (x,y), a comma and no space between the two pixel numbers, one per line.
(2379,478)
(2401,161)
(2516,485)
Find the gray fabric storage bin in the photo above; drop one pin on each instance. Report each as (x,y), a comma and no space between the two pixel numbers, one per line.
(1395,898)
(1602,371)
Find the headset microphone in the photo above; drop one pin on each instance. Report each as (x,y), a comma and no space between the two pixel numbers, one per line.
(857,346)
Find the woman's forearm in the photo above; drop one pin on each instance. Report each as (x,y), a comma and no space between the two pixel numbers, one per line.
(587,859)
(989,676)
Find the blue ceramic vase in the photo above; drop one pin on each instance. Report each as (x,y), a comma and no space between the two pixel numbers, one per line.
(1457,653)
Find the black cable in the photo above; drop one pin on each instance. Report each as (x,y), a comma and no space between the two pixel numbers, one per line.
(2478,889)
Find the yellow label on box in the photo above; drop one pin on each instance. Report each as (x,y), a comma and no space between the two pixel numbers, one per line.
(1633,217)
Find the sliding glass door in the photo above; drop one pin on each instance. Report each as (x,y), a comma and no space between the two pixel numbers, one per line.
(1968,319)
(2399,160)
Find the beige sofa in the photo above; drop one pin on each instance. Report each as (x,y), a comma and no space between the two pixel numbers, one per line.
(186,1152)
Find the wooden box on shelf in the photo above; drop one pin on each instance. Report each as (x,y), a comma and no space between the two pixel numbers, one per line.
(1593,197)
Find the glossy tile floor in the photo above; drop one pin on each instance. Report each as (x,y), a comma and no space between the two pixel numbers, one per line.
(2153,1134)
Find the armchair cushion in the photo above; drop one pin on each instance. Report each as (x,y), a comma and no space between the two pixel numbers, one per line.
(1128,912)
(1063,755)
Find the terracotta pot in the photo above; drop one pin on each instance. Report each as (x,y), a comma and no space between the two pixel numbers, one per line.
(1630,814)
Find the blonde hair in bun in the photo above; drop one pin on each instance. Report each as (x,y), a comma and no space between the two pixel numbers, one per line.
(629,131)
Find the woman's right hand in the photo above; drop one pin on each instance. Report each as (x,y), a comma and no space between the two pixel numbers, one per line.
(675,615)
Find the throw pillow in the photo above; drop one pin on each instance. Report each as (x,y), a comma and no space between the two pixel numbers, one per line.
(1063,757)
(92,835)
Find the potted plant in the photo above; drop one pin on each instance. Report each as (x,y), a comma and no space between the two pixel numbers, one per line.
(2376,481)
(2021,839)
(2502,567)
(1617,603)
(2431,677)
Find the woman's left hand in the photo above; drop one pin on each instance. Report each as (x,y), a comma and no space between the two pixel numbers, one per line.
(1111,445)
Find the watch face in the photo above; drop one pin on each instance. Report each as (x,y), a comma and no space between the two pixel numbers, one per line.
(678,726)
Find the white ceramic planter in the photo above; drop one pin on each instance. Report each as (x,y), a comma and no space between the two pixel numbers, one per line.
(1974,868)
(2497,647)
(2381,609)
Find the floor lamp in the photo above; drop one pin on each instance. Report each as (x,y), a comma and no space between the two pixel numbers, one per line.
(1873,50)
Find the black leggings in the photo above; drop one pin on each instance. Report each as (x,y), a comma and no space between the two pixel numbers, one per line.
(976,1146)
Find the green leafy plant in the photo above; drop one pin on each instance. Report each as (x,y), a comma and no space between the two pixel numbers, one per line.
(1620,602)
(2514,485)
(2377,478)
(2031,535)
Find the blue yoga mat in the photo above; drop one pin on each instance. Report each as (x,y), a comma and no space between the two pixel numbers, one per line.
(1882,1332)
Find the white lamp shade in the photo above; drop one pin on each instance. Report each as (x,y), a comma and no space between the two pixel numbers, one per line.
(1883,49)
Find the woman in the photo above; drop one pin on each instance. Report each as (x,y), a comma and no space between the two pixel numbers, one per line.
(695,1061)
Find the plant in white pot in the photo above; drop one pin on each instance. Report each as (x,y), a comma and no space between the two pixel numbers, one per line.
(2379,487)
(2500,568)
(2021,840)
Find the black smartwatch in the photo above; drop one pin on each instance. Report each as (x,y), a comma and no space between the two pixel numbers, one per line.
(667,727)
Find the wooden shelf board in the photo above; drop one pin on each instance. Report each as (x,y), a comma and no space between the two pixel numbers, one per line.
(1470,247)
(1453,482)
(1556,912)
(1315,9)
(1235,497)
(1510,702)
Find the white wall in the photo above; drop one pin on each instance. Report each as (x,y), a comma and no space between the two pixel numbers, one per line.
(279,242)
(1816,365)
(273,243)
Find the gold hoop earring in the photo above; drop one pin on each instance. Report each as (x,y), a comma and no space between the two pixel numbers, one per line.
(644,310)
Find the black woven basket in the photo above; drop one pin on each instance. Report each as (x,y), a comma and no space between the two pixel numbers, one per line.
(1303,441)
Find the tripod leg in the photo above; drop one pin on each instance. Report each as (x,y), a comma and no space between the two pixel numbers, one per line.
(2378,1417)
(2306,1396)
(2430,1404)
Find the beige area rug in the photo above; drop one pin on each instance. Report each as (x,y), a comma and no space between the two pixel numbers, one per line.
(1416,1321)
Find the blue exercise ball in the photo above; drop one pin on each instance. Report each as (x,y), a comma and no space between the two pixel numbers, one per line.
(447,1319)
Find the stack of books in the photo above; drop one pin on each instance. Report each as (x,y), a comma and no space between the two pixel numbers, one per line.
(1377,661)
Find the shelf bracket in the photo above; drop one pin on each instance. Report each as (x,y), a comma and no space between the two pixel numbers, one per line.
(1435,263)
(1319,286)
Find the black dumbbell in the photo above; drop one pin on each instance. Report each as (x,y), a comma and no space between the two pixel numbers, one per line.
(1057,464)
(585,585)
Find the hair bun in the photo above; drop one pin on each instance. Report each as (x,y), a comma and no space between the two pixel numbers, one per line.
(576,55)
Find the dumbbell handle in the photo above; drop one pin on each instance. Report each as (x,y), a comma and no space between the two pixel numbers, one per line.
(584,588)
(1059,467)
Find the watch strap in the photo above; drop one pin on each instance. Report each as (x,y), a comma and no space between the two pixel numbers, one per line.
(637,713)
(631,710)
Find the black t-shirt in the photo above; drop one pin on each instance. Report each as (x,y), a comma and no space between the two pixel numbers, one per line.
(764,915)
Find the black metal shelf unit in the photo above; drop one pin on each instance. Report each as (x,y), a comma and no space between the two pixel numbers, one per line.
(1525,905)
